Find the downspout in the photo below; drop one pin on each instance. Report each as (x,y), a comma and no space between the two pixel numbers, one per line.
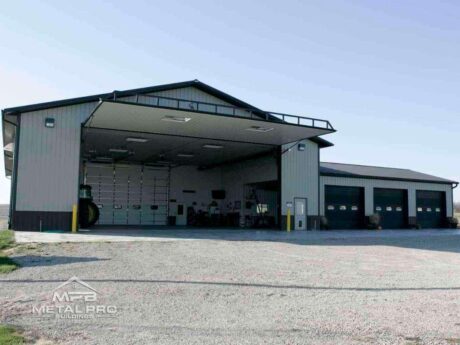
(319,188)
(278,166)
(454,185)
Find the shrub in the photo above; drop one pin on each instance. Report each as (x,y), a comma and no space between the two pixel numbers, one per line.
(374,222)
(324,223)
(452,222)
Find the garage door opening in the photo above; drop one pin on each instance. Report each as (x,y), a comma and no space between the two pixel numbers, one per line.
(431,209)
(142,179)
(391,205)
(344,207)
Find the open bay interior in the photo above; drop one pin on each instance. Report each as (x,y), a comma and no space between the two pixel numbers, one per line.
(142,179)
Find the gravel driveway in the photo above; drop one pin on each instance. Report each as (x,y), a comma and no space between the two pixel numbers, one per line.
(321,291)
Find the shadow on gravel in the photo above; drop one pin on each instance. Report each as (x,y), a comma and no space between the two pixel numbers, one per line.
(51,260)
(234,284)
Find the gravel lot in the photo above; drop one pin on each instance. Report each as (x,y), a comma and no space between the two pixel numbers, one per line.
(320,291)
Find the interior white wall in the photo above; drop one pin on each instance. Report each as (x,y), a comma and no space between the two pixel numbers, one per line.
(237,175)
(190,178)
(231,178)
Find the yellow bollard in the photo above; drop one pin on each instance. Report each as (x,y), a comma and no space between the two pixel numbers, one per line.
(288,220)
(74,218)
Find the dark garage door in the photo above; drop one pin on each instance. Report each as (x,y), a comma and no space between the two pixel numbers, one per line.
(344,207)
(391,205)
(431,209)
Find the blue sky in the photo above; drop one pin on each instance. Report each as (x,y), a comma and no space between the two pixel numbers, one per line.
(386,74)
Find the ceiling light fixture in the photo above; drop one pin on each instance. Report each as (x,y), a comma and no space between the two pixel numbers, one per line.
(179,119)
(259,129)
(103,159)
(136,140)
(213,146)
(118,150)
(159,163)
(185,155)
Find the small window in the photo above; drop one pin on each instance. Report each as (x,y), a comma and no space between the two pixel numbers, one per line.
(136,207)
(330,207)
(428,209)
(354,208)
(419,209)
(154,207)
(378,208)
(117,207)
(438,209)
(398,209)
(389,208)
(343,208)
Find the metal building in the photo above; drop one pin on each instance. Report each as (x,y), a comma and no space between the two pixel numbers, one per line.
(401,197)
(183,154)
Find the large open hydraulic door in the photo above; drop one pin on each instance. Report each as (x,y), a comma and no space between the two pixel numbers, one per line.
(131,146)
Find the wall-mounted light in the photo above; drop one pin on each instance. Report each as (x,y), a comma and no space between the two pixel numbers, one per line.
(49,122)
(301,147)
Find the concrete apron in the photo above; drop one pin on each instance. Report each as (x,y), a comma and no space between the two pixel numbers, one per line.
(133,235)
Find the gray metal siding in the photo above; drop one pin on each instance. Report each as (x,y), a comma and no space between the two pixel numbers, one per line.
(186,93)
(48,173)
(370,184)
(48,165)
(299,176)
(192,94)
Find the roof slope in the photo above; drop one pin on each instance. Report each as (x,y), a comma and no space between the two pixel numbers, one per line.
(94,98)
(366,171)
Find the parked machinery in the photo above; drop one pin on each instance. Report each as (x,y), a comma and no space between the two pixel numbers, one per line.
(88,212)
